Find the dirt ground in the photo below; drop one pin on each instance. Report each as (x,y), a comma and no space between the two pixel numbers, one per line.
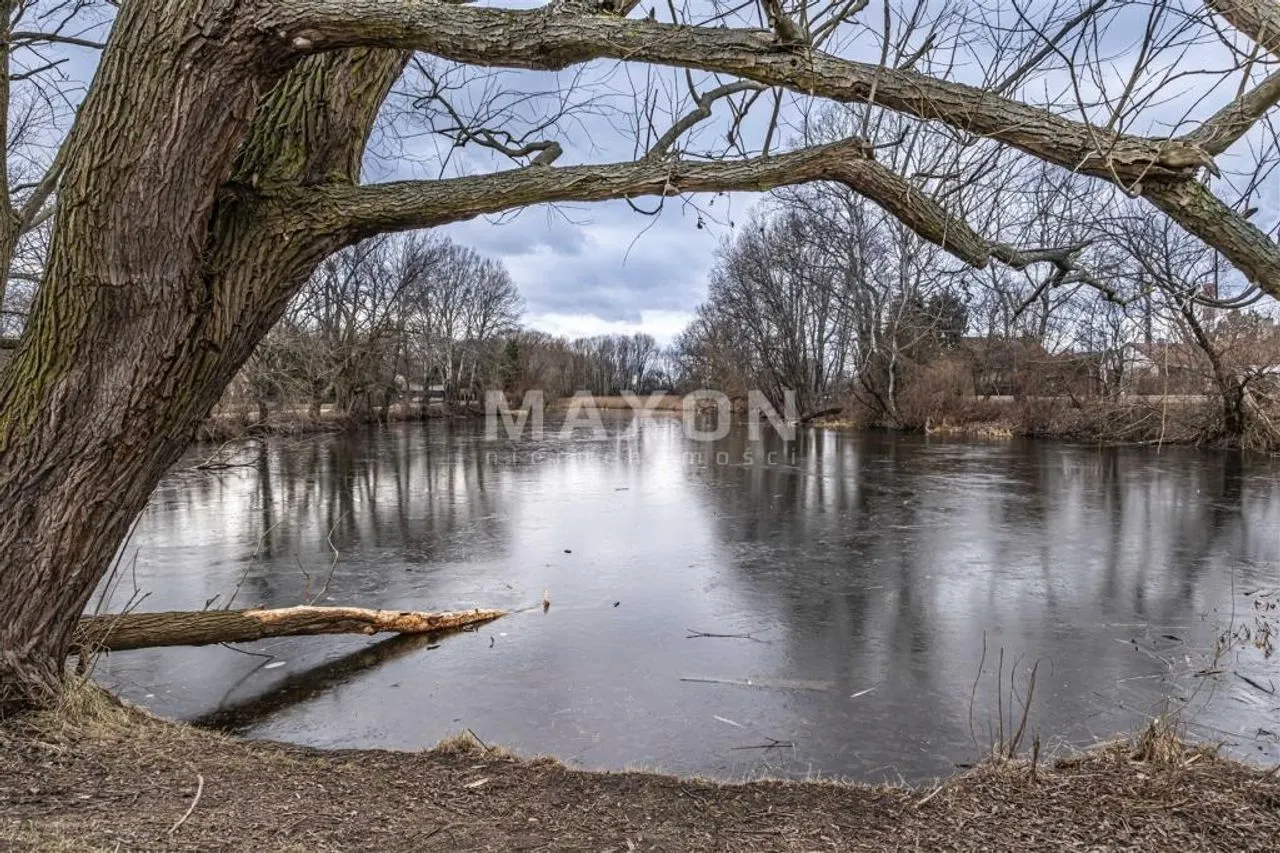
(101,777)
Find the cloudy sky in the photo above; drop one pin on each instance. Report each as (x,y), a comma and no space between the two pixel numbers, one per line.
(601,268)
(583,269)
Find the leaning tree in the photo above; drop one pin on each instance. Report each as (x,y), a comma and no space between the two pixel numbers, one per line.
(215,160)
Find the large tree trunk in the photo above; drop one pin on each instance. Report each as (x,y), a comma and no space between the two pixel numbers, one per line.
(123,631)
(165,270)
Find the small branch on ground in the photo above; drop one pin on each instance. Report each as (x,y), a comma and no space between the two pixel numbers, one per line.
(194,802)
(1249,681)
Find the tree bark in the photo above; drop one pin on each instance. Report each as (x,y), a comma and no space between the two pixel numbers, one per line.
(165,270)
(123,631)
(1258,19)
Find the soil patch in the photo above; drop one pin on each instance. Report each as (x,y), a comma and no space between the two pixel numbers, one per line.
(116,779)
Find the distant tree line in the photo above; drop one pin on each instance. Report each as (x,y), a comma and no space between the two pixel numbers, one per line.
(825,294)
(820,294)
(415,320)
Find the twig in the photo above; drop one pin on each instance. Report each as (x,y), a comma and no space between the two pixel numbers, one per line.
(1026,710)
(257,549)
(1247,680)
(324,590)
(699,634)
(439,829)
(973,694)
(773,743)
(763,685)
(1265,776)
(232,648)
(209,464)
(192,807)
(931,795)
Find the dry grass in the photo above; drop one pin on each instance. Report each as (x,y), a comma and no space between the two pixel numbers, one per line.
(668,403)
(97,776)
(233,423)
(1124,420)
(973,429)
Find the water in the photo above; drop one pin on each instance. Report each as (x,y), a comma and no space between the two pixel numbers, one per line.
(890,588)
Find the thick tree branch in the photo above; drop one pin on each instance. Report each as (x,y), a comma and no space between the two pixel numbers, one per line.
(1234,120)
(357,212)
(123,631)
(539,39)
(1258,19)
(1162,170)
(1200,212)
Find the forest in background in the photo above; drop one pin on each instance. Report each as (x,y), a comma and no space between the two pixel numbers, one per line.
(821,294)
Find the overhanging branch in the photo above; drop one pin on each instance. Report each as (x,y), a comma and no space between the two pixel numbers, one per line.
(1234,120)
(1200,212)
(540,39)
(1162,170)
(355,212)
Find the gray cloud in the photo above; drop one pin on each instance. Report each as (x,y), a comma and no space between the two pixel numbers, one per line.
(603,262)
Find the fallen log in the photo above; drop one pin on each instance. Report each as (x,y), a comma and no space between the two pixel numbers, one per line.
(123,631)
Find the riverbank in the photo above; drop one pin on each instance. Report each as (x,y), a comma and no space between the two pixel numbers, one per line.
(104,777)
(1135,420)
(231,424)
(1179,420)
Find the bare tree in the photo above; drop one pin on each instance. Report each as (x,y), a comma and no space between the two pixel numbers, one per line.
(789,304)
(1236,350)
(457,315)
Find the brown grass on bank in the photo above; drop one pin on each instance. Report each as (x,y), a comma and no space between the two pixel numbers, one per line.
(667,403)
(1121,420)
(96,776)
(229,424)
